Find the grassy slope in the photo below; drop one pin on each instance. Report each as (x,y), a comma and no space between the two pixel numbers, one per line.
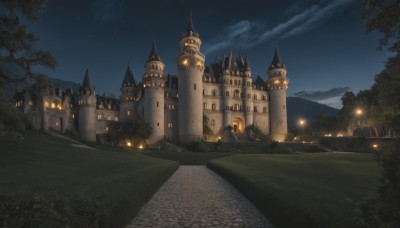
(304,190)
(186,157)
(117,183)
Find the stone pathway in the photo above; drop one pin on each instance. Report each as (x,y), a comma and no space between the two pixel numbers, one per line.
(195,196)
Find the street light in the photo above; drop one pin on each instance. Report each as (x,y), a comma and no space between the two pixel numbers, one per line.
(359,113)
(302,123)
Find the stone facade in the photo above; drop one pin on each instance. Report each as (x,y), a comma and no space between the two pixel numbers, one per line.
(174,105)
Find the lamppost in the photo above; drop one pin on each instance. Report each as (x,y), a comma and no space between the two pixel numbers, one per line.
(302,124)
(359,113)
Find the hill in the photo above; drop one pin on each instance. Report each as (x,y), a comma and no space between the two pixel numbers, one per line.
(301,108)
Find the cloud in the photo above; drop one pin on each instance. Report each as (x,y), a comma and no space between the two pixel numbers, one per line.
(247,33)
(322,95)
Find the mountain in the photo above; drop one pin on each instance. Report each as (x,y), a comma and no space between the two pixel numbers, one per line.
(301,108)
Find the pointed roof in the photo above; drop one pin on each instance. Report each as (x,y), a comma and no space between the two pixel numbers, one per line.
(259,82)
(190,31)
(153,56)
(129,80)
(246,64)
(87,83)
(276,61)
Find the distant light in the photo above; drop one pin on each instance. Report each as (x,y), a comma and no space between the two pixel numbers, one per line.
(128,144)
(375,146)
(140,146)
(339,135)
(359,111)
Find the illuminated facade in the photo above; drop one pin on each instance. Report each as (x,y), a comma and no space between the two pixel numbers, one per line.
(174,105)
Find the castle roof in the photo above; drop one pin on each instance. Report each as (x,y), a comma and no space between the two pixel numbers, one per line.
(129,80)
(259,82)
(190,31)
(276,61)
(153,56)
(246,64)
(86,84)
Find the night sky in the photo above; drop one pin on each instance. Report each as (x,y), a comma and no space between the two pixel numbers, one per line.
(322,43)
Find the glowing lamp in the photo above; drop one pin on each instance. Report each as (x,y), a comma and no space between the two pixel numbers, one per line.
(185,62)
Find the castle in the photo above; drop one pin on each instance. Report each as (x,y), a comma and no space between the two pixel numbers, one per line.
(174,105)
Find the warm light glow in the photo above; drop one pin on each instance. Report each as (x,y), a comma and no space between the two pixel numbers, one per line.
(339,135)
(129,144)
(57,124)
(185,62)
(375,146)
(359,111)
(302,122)
(140,146)
(285,82)
(219,137)
(276,82)
(53,105)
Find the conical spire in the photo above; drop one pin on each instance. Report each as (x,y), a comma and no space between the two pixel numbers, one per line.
(86,84)
(246,63)
(154,53)
(276,61)
(190,31)
(153,56)
(129,80)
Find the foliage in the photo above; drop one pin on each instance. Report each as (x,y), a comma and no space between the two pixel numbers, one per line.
(294,190)
(324,124)
(11,119)
(258,134)
(384,16)
(384,211)
(134,131)
(206,129)
(17,43)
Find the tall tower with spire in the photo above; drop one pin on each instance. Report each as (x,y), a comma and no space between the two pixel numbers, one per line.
(248,90)
(87,110)
(153,85)
(127,106)
(190,64)
(277,85)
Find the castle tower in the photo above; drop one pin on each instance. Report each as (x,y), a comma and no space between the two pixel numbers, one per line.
(127,107)
(153,84)
(248,90)
(190,64)
(277,85)
(227,91)
(87,110)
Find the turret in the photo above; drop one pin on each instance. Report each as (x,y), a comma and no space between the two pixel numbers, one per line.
(87,110)
(248,91)
(227,92)
(153,84)
(277,86)
(127,96)
(190,64)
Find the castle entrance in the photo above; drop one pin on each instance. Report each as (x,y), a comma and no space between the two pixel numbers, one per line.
(238,125)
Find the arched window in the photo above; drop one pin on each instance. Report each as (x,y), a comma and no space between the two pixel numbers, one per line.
(205,106)
(236,94)
(213,93)
(235,82)
(236,107)
(255,109)
(213,106)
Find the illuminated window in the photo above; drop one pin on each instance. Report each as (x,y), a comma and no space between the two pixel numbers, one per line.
(116,118)
(169,125)
(276,82)
(99,117)
(108,117)
(185,62)
(73,116)
(128,113)
(106,128)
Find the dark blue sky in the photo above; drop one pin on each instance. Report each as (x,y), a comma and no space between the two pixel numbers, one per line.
(322,43)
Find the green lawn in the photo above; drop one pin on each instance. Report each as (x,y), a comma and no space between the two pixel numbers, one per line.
(304,190)
(187,157)
(54,183)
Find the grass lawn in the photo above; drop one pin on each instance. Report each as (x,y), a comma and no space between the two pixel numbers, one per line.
(46,182)
(187,157)
(304,190)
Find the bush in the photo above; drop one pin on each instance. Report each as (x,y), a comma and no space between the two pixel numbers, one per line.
(384,211)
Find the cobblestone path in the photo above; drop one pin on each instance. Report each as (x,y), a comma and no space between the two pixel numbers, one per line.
(195,196)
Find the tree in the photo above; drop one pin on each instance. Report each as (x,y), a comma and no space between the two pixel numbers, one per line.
(136,132)
(206,129)
(17,43)
(345,116)
(384,16)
